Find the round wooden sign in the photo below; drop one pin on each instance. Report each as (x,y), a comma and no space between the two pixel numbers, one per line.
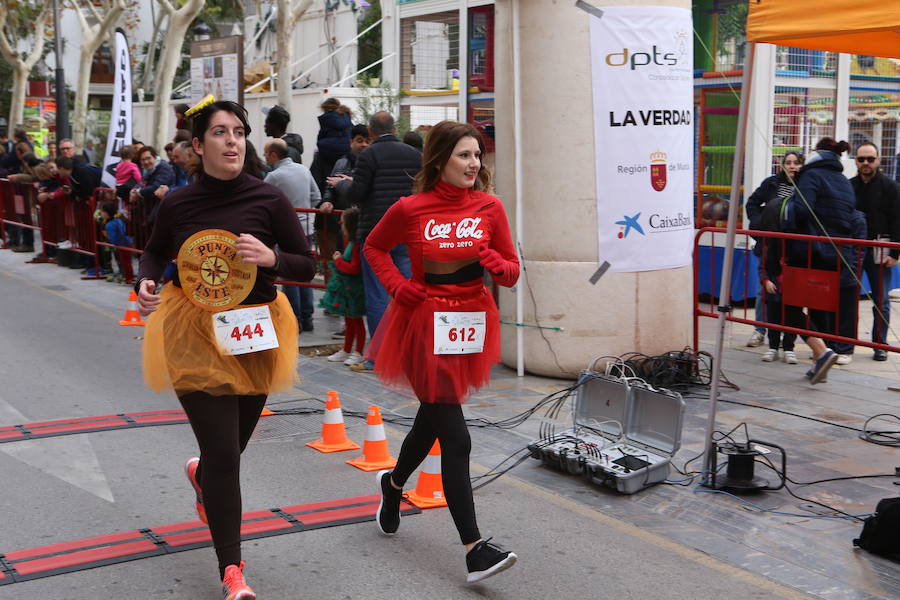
(212,275)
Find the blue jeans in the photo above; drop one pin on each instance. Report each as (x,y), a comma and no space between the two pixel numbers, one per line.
(301,299)
(376,295)
(880,284)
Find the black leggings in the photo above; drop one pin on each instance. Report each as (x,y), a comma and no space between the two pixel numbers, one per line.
(444,422)
(223,426)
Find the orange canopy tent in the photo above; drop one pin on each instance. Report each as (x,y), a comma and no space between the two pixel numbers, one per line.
(870,28)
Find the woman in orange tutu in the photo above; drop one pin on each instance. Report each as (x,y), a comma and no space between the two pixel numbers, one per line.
(440,334)
(222,363)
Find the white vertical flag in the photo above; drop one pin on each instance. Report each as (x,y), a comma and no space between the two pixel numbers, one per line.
(120,120)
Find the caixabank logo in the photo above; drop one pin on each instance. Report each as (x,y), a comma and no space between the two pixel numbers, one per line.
(629,224)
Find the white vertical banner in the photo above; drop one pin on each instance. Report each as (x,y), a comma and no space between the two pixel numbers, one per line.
(120,120)
(642,72)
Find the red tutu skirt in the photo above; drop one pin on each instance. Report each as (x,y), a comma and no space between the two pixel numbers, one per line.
(403,350)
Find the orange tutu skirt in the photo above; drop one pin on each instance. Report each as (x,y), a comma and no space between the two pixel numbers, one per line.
(403,350)
(181,352)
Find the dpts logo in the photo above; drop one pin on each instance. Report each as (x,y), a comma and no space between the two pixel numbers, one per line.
(641,59)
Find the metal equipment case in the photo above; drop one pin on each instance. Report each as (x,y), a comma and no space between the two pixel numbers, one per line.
(624,437)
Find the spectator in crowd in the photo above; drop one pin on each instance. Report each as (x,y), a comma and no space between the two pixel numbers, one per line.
(333,141)
(128,175)
(181,121)
(384,173)
(67,149)
(51,151)
(879,199)
(182,135)
(11,162)
(180,174)
(116,235)
(764,211)
(344,295)
(156,173)
(253,164)
(21,135)
(23,237)
(297,184)
(79,187)
(413,139)
(336,191)
(7,146)
(275,126)
(824,205)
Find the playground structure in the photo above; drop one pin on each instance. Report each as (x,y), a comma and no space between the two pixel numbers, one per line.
(802,96)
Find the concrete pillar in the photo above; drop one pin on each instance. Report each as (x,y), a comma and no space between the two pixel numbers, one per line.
(647,312)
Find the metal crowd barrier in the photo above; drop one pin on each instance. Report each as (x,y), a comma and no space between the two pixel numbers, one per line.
(807,281)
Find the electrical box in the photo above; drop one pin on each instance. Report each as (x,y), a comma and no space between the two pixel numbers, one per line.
(624,436)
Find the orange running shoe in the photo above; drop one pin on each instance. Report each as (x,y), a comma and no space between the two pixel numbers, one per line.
(233,585)
(190,469)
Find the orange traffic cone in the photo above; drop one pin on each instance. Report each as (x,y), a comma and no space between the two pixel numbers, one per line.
(132,316)
(429,492)
(334,436)
(375,454)
(266,412)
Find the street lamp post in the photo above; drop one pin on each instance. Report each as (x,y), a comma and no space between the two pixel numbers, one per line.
(62,107)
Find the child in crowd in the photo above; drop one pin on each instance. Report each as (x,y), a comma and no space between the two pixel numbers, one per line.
(116,235)
(128,175)
(333,141)
(345,295)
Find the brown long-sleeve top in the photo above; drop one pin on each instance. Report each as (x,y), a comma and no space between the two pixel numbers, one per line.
(244,204)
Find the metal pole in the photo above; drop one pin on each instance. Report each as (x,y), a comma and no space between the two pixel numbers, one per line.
(62,107)
(519,174)
(727,266)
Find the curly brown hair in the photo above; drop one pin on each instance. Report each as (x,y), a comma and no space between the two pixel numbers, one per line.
(439,145)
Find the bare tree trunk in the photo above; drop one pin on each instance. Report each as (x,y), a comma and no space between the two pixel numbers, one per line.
(151,52)
(179,21)
(21,67)
(17,108)
(92,38)
(286,22)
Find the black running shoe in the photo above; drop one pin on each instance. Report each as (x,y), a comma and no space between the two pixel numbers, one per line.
(486,559)
(388,516)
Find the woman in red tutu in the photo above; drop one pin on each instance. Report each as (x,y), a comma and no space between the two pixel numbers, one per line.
(440,335)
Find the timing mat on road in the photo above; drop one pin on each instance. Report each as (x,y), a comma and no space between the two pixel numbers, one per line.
(56,559)
(44,429)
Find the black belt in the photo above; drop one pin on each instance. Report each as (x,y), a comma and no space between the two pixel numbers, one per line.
(470,272)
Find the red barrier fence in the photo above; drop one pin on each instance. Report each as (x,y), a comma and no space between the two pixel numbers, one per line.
(806,272)
(60,218)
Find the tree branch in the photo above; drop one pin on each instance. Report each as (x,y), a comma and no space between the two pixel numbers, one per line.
(78,13)
(166,6)
(298,12)
(39,34)
(9,55)
(93,10)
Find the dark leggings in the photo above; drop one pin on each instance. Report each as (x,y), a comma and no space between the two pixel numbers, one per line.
(444,422)
(223,426)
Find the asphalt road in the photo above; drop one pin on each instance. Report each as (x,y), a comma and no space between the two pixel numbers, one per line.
(63,355)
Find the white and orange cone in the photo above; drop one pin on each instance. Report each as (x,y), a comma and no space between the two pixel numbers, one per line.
(429,492)
(334,435)
(375,455)
(132,316)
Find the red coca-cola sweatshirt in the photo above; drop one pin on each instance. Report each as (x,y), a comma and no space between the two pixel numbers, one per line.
(444,229)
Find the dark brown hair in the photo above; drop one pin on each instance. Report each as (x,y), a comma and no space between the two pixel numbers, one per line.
(827,143)
(350,220)
(200,123)
(333,104)
(149,149)
(439,145)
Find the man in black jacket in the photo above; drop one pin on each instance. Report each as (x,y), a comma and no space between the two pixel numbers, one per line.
(275,126)
(384,173)
(879,198)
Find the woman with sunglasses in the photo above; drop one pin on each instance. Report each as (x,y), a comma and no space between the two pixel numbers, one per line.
(223,229)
